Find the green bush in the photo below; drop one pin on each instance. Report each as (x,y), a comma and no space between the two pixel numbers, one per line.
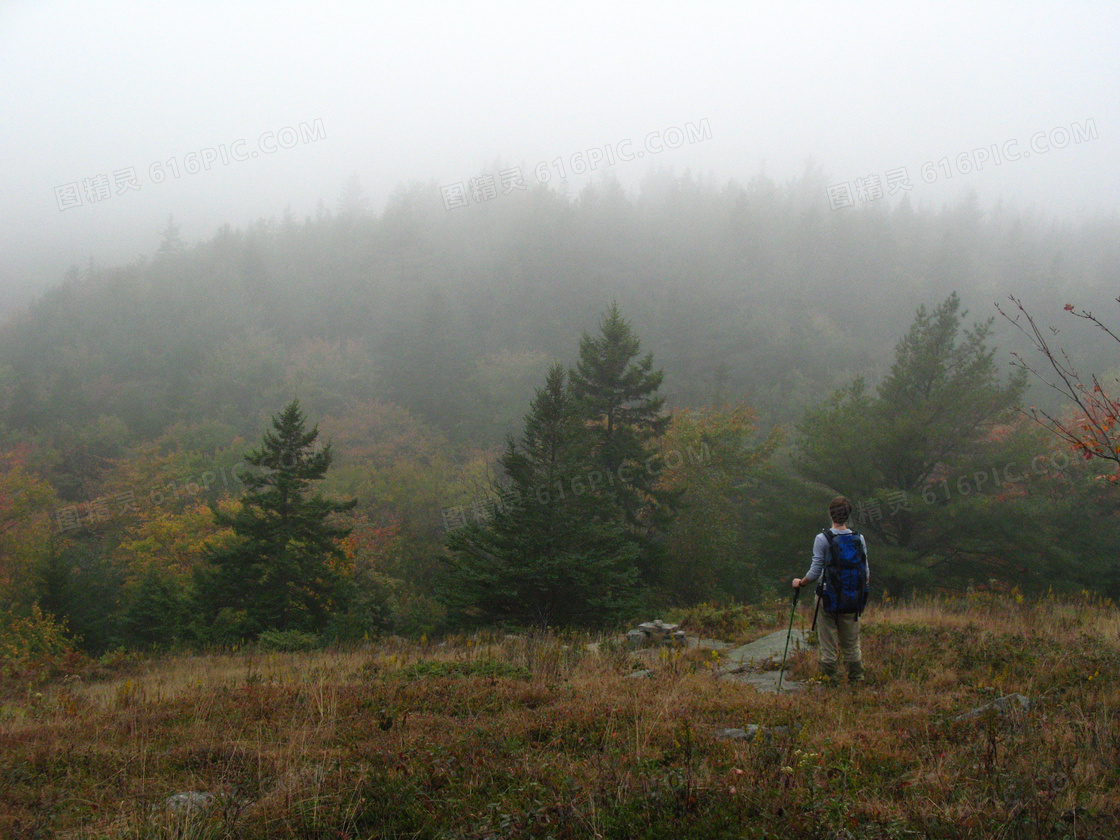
(33,641)
(490,668)
(287,641)
(415,615)
(719,621)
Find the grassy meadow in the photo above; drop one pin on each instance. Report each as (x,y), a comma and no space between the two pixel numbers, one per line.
(539,736)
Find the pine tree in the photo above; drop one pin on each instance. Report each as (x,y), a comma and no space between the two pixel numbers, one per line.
(170,245)
(154,614)
(924,427)
(615,393)
(276,574)
(547,555)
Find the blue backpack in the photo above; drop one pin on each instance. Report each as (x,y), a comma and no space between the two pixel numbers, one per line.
(843,587)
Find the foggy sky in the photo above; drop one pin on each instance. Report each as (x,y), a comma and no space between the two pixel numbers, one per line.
(443,92)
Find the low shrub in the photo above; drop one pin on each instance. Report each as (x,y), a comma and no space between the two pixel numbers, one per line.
(287,641)
(35,643)
(720,621)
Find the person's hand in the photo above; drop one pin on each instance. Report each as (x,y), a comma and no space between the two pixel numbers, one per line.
(797,583)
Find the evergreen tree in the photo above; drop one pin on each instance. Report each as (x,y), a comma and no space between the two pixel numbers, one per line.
(427,366)
(547,555)
(352,203)
(898,453)
(276,574)
(155,612)
(81,585)
(170,244)
(615,394)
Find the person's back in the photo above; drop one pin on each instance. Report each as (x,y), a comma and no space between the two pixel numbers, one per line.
(843,591)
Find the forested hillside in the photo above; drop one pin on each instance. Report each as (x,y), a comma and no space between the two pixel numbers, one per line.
(415,340)
(742,291)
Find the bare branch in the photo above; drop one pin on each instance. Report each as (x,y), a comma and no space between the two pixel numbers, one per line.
(1096,433)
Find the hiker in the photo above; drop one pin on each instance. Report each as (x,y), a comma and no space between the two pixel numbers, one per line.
(840,564)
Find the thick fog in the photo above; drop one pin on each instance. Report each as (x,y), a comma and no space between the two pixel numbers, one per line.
(117,115)
(574,314)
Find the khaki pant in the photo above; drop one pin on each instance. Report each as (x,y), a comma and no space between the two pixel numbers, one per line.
(838,630)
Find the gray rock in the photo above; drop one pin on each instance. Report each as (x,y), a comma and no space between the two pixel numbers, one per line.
(1013,702)
(765,681)
(748,734)
(640,674)
(191,800)
(736,734)
(1003,706)
(770,647)
(657,632)
(753,730)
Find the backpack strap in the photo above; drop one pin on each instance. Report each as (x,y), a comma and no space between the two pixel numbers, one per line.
(829,562)
(830,557)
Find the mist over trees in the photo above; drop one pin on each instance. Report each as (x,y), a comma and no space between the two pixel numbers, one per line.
(732,286)
(802,351)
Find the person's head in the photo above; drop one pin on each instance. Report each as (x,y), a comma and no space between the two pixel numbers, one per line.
(840,509)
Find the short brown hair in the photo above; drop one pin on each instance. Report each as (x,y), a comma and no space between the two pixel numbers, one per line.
(840,509)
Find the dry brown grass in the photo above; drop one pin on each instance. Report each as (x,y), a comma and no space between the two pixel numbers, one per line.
(537,737)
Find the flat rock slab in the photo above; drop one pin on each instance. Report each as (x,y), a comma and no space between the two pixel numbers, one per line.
(768,647)
(763,680)
(741,661)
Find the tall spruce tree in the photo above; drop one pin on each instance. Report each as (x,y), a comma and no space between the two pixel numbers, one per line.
(547,555)
(615,394)
(900,453)
(276,574)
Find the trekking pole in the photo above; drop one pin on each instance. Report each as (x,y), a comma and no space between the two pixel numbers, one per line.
(782,673)
(813,629)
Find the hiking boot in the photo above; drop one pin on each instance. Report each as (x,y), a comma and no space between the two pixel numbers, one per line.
(855,672)
(828,673)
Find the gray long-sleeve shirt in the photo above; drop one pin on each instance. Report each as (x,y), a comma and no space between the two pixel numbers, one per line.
(820,550)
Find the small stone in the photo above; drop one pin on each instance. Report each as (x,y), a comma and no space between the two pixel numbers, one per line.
(191,800)
(640,674)
(754,730)
(1002,706)
(732,735)
(748,734)
(636,638)
(1013,702)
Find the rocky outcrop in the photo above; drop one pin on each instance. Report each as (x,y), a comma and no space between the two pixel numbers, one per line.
(656,632)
